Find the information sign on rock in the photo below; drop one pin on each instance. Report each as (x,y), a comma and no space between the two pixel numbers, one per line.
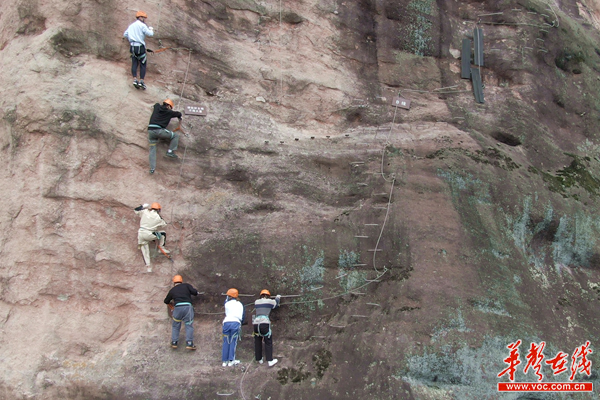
(196,110)
(400,102)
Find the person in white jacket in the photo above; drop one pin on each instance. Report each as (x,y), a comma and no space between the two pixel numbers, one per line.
(232,326)
(136,34)
(150,230)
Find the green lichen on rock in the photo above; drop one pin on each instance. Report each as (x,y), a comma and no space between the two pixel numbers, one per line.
(420,26)
(567,240)
(292,375)
(576,174)
(321,360)
(490,156)
(313,271)
(350,276)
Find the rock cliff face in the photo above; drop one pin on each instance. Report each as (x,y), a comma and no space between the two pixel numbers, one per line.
(414,245)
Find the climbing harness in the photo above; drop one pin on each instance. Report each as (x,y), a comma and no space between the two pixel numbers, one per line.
(236,334)
(190,309)
(154,127)
(136,54)
(258,320)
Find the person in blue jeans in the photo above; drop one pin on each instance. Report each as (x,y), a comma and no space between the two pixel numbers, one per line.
(232,326)
(181,295)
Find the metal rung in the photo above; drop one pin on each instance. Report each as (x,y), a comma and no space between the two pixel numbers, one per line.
(358,265)
(380,207)
(375,250)
(361,184)
(359,316)
(373,304)
(380,194)
(357,162)
(361,236)
(371,224)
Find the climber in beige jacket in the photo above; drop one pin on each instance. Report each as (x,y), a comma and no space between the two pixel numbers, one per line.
(151,224)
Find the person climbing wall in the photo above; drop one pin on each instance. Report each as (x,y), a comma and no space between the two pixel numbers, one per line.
(150,229)
(157,129)
(181,295)
(136,34)
(232,325)
(261,325)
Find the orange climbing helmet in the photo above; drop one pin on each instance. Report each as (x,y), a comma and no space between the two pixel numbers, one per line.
(177,279)
(265,291)
(155,206)
(141,14)
(169,102)
(233,292)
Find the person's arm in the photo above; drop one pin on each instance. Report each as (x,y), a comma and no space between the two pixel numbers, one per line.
(138,210)
(277,300)
(193,291)
(243,320)
(162,223)
(168,298)
(176,114)
(148,31)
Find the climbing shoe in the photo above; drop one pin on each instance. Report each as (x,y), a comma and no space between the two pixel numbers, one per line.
(151,171)
(261,361)
(190,346)
(172,154)
(174,345)
(136,84)
(225,364)
(273,362)
(141,85)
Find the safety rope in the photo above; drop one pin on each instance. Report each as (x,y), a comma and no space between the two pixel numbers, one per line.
(383,227)
(184,155)
(158,20)
(280,58)
(242,381)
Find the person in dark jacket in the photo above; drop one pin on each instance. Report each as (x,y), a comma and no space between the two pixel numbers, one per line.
(157,129)
(181,295)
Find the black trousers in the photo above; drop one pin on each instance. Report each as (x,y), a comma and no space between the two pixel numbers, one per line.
(138,56)
(258,341)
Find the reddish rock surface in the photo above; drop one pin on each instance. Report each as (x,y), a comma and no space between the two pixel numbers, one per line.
(415,244)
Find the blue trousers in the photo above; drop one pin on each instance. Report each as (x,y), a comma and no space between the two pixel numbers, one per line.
(183,314)
(231,332)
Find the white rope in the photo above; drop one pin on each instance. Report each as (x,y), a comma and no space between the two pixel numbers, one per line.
(242,381)
(185,78)
(280,58)
(383,226)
